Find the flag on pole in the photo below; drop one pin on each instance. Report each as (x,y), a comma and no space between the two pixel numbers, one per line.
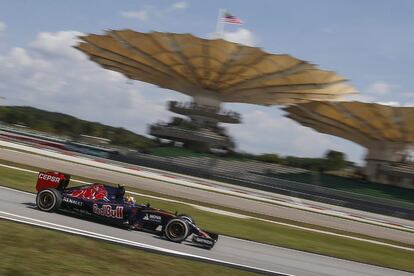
(231,19)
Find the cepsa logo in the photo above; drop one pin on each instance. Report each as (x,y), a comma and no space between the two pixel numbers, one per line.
(107,211)
(48,177)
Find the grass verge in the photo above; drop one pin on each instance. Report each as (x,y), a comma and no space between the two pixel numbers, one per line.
(401,203)
(48,252)
(25,182)
(252,229)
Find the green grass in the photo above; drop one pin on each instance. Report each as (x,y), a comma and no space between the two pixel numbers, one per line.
(24,181)
(27,250)
(252,229)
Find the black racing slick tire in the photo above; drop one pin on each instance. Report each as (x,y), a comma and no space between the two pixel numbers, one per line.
(49,200)
(176,230)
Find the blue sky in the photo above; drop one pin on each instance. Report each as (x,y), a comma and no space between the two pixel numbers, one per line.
(370,42)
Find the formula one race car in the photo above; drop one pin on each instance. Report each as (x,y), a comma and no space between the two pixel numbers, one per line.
(109,204)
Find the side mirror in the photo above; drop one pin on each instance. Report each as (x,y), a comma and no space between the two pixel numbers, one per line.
(148,205)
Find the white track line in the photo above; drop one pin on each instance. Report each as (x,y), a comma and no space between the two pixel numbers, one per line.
(45,224)
(19,191)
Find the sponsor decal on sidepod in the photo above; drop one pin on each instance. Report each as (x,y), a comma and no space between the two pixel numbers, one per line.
(107,211)
(152,217)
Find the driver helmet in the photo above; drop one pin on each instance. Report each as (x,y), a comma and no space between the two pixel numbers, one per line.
(130,199)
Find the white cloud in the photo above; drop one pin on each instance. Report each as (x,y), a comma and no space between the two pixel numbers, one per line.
(2,26)
(182,5)
(262,132)
(19,59)
(151,12)
(390,103)
(242,36)
(139,14)
(380,93)
(397,104)
(59,44)
(380,88)
(72,84)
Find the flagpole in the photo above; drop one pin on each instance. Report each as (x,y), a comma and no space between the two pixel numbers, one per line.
(220,24)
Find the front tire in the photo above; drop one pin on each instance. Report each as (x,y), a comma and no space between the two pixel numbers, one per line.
(49,200)
(186,217)
(176,230)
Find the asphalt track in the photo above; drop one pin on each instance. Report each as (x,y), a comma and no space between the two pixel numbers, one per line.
(209,197)
(228,249)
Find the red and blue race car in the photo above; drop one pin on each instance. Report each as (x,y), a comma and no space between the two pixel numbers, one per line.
(109,204)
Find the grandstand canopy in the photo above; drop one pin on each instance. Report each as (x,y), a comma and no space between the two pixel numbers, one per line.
(363,123)
(216,68)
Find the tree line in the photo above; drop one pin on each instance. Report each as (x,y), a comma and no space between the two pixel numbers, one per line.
(331,161)
(72,127)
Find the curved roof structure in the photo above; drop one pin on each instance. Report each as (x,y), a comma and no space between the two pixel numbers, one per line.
(363,123)
(228,71)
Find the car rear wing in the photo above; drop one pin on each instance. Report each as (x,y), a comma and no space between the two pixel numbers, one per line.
(56,180)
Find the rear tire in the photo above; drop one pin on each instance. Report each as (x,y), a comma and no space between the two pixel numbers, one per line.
(176,230)
(49,200)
